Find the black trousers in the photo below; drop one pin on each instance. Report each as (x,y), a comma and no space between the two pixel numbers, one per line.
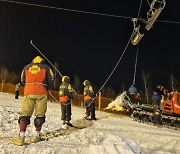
(66,111)
(90,109)
(157,115)
(16,94)
(132,98)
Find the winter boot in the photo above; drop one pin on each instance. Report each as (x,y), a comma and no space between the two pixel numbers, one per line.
(18,140)
(36,139)
(87,118)
(93,118)
(64,126)
(69,124)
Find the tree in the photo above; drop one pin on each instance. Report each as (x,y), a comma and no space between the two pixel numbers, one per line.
(77,85)
(56,77)
(4,74)
(108,92)
(123,87)
(173,83)
(14,78)
(147,86)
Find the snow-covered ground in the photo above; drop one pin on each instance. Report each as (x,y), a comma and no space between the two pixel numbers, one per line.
(111,134)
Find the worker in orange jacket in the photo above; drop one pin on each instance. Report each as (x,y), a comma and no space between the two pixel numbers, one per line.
(37,77)
(89,99)
(66,98)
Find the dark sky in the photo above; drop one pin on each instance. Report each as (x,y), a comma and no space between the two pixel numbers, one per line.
(90,45)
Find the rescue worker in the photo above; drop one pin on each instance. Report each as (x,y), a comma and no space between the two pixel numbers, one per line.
(89,100)
(162,91)
(65,98)
(132,91)
(157,112)
(37,77)
(17,89)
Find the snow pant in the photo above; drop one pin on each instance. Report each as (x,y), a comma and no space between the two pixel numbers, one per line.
(16,94)
(90,109)
(31,103)
(66,111)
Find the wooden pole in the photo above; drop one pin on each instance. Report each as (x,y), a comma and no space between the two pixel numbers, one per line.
(99,107)
(2,85)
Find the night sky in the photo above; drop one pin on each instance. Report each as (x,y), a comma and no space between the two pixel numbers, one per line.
(90,45)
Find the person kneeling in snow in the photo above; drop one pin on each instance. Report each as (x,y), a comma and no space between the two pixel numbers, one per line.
(37,77)
(65,98)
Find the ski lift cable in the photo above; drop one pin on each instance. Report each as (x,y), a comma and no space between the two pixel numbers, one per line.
(171,22)
(134,79)
(80,11)
(64,9)
(121,55)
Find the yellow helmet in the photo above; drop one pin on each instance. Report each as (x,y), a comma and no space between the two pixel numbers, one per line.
(66,79)
(37,59)
(86,82)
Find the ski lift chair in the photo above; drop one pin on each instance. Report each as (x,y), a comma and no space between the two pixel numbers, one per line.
(155,9)
(136,35)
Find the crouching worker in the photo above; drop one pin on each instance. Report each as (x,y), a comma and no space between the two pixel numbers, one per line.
(157,111)
(66,98)
(37,77)
(89,100)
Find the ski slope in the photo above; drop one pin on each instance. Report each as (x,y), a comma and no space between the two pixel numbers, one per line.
(111,134)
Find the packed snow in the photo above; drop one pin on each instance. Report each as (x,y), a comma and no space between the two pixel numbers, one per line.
(111,134)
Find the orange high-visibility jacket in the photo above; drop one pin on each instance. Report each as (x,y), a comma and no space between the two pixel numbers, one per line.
(65,92)
(88,93)
(37,77)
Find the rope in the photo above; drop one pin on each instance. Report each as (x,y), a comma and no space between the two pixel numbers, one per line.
(58,101)
(134,79)
(86,12)
(148,3)
(121,55)
(46,58)
(49,62)
(114,68)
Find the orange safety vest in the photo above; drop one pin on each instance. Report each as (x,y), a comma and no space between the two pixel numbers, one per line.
(63,99)
(87,97)
(35,77)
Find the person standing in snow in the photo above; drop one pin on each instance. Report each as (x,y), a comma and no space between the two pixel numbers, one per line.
(89,99)
(65,98)
(17,90)
(157,112)
(132,91)
(37,77)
